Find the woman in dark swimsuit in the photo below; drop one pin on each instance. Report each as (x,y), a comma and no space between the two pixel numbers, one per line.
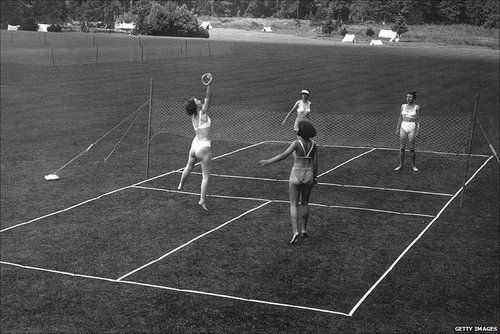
(302,176)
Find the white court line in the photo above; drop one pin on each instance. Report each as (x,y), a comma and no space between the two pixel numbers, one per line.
(208,195)
(386,189)
(345,162)
(330,184)
(117,190)
(385,149)
(286,201)
(192,240)
(415,240)
(174,289)
(373,210)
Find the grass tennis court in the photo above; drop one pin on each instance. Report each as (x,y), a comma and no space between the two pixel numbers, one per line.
(117,253)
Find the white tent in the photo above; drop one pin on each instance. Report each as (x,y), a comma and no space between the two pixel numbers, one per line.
(376,42)
(43,27)
(349,38)
(206,25)
(9,27)
(267,29)
(392,35)
(124,25)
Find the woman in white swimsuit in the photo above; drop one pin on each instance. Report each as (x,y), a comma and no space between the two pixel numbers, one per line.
(408,127)
(201,146)
(302,176)
(303,108)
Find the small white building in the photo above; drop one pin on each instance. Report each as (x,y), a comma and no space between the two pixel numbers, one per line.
(124,26)
(206,25)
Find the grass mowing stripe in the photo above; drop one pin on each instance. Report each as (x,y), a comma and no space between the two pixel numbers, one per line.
(117,190)
(415,240)
(285,201)
(193,240)
(174,289)
(330,184)
(345,162)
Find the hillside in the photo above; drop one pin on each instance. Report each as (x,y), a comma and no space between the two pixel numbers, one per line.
(418,35)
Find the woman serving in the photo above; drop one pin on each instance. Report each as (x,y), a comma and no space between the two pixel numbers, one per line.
(201,148)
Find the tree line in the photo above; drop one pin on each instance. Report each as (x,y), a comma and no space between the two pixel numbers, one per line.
(483,13)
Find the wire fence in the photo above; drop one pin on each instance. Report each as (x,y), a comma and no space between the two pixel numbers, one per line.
(53,49)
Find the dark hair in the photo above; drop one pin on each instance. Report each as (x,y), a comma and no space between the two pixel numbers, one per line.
(306,130)
(414,94)
(191,107)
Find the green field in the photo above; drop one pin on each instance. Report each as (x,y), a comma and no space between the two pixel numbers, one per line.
(105,250)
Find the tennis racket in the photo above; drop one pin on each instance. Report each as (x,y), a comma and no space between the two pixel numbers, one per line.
(206,78)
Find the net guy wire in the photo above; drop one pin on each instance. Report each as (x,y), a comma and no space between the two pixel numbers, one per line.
(138,111)
(487,140)
(123,136)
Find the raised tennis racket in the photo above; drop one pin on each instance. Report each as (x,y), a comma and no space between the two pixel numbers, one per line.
(206,78)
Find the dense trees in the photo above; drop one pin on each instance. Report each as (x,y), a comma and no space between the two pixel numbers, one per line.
(475,12)
(155,19)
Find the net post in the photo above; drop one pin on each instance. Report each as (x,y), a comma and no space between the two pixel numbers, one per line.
(469,149)
(149,127)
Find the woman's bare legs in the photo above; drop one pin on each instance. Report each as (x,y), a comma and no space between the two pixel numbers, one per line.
(411,142)
(294,192)
(304,203)
(402,140)
(205,155)
(187,170)
(206,167)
